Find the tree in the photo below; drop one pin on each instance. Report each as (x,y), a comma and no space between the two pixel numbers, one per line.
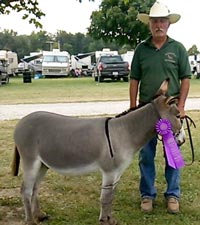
(193,50)
(22,46)
(7,39)
(29,8)
(39,41)
(117,20)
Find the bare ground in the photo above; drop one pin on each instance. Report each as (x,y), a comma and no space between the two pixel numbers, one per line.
(9,215)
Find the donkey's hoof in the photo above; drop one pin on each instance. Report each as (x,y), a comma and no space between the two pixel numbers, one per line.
(113,221)
(31,223)
(42,217)
(108,221)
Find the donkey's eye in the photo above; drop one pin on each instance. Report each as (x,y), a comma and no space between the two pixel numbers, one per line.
(178,116)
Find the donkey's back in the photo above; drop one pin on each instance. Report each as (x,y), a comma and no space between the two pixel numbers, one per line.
(61,142)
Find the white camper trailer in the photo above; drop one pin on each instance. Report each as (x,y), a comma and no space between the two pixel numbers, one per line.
(128,56)
(82,62)
(10,61)
(55,63)
(105,51)
(36,64)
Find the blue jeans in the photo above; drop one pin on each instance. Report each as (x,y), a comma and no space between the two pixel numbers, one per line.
(148,174)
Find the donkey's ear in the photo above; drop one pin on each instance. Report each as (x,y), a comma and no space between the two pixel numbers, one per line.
(171,100)
(163,88)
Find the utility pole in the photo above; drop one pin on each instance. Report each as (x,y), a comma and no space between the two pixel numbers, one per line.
(59,45)
(50,45)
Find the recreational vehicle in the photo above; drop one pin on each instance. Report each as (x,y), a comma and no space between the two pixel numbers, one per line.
(82,62)
(10,61)
(55,63)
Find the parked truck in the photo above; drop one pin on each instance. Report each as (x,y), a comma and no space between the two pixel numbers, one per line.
(110,65)
(8,65)
(55,63)
(4,77)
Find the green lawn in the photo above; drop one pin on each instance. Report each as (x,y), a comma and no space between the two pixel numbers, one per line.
(62,90)
(69,90)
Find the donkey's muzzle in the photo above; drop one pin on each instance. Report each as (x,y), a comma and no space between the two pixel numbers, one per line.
(180,137)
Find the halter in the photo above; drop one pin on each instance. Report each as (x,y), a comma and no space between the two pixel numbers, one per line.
(108,136)
(119,115)
(187,119)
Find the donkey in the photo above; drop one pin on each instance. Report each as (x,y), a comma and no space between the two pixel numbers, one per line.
(67,144)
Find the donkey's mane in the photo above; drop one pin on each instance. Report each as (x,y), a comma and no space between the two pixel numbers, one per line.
(130,110)
(135,108)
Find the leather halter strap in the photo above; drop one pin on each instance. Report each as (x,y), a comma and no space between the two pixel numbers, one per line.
(108,136)
(121,114)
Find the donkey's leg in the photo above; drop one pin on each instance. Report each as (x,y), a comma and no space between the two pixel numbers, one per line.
(26,195)
(107,194)
(30,174)
(37,213)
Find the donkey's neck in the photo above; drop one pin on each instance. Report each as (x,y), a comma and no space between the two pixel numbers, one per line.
(142,124)
(138,127)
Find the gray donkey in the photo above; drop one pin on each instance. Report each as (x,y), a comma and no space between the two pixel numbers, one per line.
(74,145)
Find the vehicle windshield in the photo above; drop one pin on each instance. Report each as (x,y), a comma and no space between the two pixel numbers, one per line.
(3,63)
(111,59)
(56,58)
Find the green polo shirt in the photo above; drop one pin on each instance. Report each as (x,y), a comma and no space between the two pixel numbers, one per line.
(152,66)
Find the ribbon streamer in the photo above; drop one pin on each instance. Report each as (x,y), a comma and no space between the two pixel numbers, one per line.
(173,153)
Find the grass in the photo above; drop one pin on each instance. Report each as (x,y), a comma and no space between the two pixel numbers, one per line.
(69,90)
(62,90)
(75,200)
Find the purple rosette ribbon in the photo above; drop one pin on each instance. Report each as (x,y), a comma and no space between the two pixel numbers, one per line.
(172,151)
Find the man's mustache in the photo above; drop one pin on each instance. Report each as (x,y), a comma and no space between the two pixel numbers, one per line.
(159,29)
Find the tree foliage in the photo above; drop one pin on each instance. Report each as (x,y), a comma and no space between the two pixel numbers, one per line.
(73,43)
(38,41)
(117,20)
(193,50)
(30,9)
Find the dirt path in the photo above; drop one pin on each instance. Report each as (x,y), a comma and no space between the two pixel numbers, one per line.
(9,112)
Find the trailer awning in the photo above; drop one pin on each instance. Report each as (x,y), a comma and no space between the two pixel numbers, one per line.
(30,58)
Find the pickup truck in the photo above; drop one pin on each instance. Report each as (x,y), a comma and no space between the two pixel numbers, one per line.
(111,66)
(4,77)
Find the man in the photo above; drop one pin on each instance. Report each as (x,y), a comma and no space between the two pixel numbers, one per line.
(157,58)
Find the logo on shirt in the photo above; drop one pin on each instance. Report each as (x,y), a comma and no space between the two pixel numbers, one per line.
(170,57)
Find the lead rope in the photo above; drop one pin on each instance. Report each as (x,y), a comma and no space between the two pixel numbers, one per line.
(187,120)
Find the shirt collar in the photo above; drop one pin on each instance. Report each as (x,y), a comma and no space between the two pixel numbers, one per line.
(148,41)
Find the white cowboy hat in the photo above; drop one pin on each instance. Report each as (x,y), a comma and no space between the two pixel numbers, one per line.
(158,10)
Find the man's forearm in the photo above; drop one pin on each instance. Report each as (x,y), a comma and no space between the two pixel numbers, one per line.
(184,89)
(133,91)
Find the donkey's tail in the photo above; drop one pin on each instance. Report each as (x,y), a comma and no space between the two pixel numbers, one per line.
(15,162)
